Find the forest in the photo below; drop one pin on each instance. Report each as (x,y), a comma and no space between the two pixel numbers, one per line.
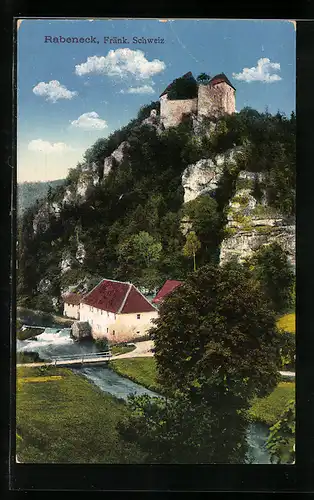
(130,221)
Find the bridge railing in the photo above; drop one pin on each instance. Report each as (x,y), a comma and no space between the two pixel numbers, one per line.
(82,357)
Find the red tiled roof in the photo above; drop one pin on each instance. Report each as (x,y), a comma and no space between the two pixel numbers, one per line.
(117,297)
(167,288)
(219,79)
(136,302)
(72,298)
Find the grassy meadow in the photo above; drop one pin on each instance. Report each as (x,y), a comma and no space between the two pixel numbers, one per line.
(63,418)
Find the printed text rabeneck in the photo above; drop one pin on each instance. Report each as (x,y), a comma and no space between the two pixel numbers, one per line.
(70,39)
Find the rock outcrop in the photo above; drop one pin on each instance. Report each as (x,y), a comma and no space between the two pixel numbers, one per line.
(253,224)
(81,330)
(203,176)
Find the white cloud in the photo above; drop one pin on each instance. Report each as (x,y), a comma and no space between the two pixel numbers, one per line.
(90,121)
(48,147)
(263,72)
(144,89)
(53,91)
(121,62)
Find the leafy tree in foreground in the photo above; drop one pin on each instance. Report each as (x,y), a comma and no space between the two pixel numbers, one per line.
(218,330)
(216,346)
(281,440)
(271,268)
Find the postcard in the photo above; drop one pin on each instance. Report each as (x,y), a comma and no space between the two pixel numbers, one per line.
(155,291)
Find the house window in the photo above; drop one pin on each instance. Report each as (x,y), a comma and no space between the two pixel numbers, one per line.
(138,316)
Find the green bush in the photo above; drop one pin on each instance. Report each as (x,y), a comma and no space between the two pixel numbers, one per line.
(102,344)
(281,440)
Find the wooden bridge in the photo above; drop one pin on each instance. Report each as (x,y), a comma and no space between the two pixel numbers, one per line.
(74,359)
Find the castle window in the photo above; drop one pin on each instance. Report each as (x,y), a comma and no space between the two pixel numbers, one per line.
(107,314)
(138,316)
(113,332)
(107,330)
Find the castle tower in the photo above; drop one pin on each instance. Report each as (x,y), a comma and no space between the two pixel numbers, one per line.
(216,98)
(213,99)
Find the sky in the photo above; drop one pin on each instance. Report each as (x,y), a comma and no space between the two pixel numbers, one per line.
(69,94)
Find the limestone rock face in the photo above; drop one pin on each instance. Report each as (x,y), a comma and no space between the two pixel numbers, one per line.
(117,157)
(243,243)
(41,218)
(44,285)
(203,177)
(80,253)
(66,263)
(253,224)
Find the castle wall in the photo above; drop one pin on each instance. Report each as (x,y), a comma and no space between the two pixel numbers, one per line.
(216,100)
(172,111)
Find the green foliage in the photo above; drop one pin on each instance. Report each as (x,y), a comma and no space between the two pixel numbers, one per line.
(203,78)
(183,88)
(144,194)
(27,357)
(287,350)
(144,112)
(175,431)
(272,269)
(269,409)
(102,344)
(216,334)
(207,222)
(137,257)
(281,440)
(192,245)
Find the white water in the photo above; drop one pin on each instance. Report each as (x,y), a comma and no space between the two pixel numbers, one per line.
(53,342)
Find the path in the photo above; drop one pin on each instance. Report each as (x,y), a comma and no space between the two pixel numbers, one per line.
(142,349)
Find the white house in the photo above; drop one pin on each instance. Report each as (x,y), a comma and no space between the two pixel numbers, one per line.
(117,310)
(71,307)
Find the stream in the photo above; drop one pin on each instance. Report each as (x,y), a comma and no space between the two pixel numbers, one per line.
(58,342)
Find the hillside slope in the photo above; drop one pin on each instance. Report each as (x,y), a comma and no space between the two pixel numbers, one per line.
(124,212)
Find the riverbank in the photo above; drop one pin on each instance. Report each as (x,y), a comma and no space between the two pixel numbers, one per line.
(142,371)
(61,417)
(264,410)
